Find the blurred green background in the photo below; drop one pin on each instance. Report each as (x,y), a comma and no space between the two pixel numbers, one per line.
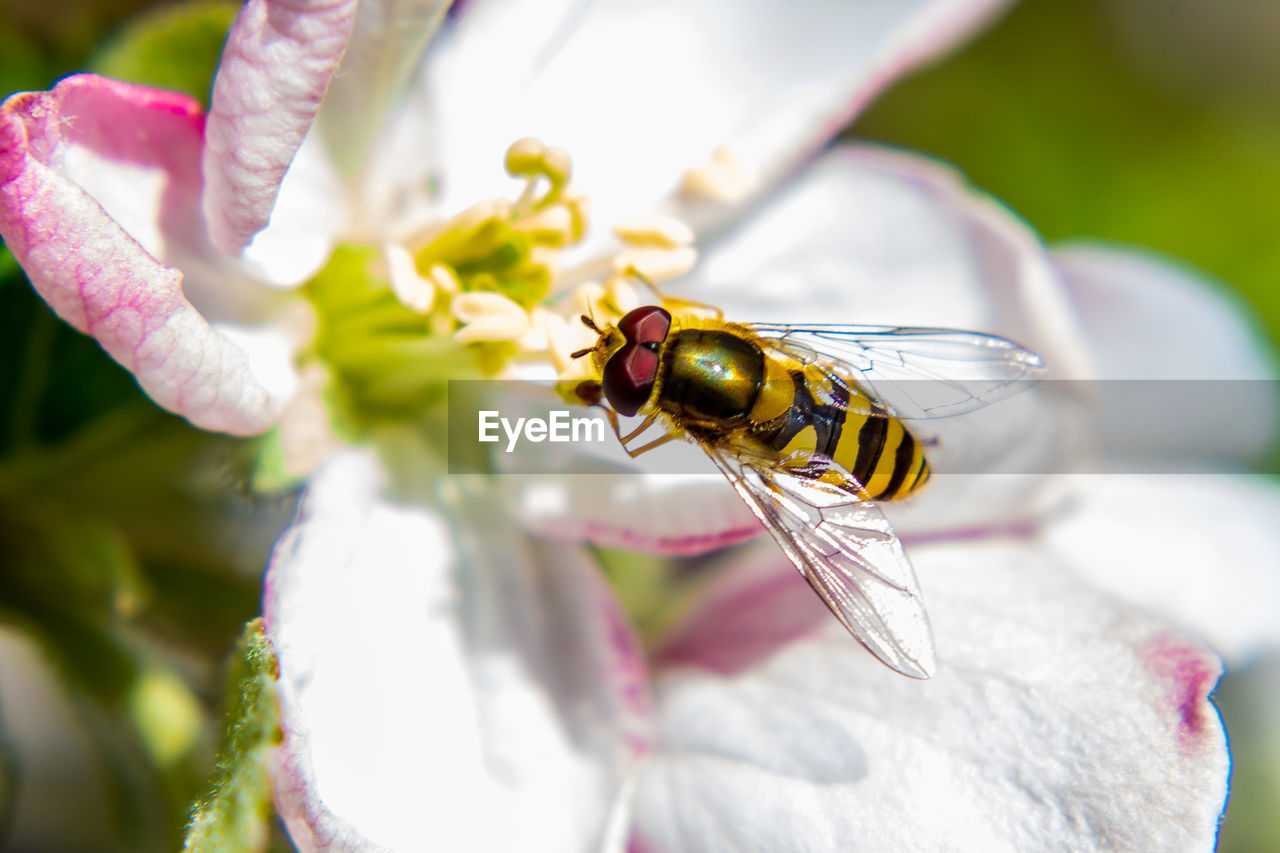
(1148,122)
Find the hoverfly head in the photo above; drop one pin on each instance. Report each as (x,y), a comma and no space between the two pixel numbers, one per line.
(629,355)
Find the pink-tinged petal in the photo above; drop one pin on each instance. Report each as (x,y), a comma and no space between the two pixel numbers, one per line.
(1058,720)
(386,44)
(97,276)
(1200,551)
(667,83)
(745,616)
(436,669)
(665,514)
(593,491)
(1148,318)
(279,58)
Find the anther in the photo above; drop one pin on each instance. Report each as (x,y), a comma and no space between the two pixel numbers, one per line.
(488,316)
(655,264)
(524,157)
(655,231)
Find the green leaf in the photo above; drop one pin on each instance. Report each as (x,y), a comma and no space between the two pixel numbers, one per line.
(1103,147)
(23,65)
(172,47)
(236,814)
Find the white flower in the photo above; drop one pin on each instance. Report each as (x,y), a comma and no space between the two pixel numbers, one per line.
(448,682)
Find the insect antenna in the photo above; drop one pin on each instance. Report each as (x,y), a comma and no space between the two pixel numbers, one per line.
(580,353)
(591,324)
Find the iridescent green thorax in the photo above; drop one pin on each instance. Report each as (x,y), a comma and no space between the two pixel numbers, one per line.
(713,376)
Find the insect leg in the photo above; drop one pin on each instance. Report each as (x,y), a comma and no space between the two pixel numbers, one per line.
(645,424)
(657,442)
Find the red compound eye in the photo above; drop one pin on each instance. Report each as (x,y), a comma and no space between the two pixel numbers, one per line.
(629,375)
(646,325)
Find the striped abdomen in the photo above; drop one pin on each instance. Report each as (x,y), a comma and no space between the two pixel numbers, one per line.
(840,423)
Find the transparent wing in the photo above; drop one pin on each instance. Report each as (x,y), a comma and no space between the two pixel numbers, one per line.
(848,552)
(914,372)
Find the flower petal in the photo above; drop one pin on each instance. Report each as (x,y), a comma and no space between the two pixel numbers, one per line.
(1200,551)
(1057,720)
(663,514)
(744,616)
(102,278)
(641,93)
(869,234)
(279,58)
(1147,318)
(433,674)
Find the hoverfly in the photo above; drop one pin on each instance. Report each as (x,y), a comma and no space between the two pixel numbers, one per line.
(793,417)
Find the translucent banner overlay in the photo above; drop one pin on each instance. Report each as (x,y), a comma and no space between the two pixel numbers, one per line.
(1044,427)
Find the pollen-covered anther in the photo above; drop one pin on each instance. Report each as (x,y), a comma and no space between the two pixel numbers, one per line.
(414,290)
(655,264)
(524,156)
(579,207)
(724,179)
(551,226)
(622,293)
(444,278)
(654,231)
(488,317)
(530,159)
(559,165)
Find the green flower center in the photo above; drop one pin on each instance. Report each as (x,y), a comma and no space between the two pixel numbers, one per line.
(395,323)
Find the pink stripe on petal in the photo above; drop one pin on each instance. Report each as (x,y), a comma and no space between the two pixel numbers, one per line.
(93,273)
(755,610)
(276,67)
(1188,672)
(667,515)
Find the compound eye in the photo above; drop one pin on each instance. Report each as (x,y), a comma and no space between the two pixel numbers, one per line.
(628,378)
(648,324)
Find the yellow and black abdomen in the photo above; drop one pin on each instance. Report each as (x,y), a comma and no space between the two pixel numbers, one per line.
(807,411)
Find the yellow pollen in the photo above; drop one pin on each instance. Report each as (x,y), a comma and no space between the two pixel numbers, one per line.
(530,159)
(524,156)
(655,231)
